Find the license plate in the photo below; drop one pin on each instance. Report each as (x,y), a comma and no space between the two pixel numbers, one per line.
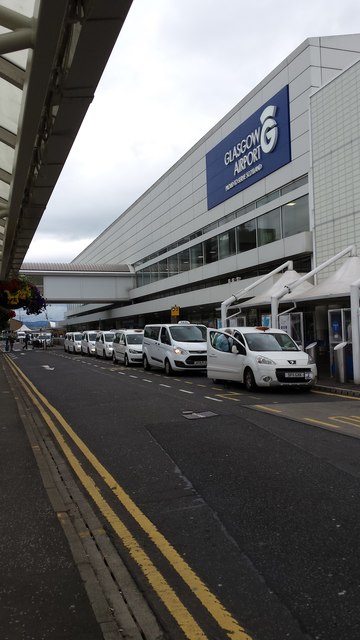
(201,363)
(294,374)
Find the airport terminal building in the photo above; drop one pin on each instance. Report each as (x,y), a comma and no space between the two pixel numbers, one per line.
(276,180)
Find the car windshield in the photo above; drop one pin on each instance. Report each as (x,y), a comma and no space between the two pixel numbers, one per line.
(270,342)
(109,337)
(187,333)
(77,336)
(92,337)
(135,338)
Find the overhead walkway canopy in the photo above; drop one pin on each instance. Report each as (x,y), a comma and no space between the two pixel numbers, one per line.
(52,56)
(82,283)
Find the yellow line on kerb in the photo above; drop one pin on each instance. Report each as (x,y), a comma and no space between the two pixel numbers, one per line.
(165,592)
(266,408)
(338,395)
(325,424)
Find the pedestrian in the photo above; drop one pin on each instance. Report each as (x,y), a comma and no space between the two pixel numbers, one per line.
(26,341)
(11,341)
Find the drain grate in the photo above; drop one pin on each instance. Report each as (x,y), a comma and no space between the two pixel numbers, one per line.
(192,415)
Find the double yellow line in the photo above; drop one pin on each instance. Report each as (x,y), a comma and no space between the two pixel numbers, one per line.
(162,588)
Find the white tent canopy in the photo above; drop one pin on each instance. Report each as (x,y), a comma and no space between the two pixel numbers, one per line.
(23,328)
(337,285)
(287,278)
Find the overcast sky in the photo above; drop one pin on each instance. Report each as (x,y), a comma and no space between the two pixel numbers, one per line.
(177,68)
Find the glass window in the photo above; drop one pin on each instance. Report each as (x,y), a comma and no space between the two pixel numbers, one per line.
(222,342)
(164,336)
(152,332)
(211,250)
(269,227)
(245,209)
(195,235)
(173,265)
(196,256)
(246,236)
(150,274)
(163,269)
(228,218)
(184,260)
(172,246)
(135,338)
(268,198)
(295,216)
(154,272)
(186,333)
(210,227)
(227,245)
(143,277)
(294,185)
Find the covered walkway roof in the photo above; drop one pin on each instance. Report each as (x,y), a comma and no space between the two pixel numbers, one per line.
(47,268)
(52,56)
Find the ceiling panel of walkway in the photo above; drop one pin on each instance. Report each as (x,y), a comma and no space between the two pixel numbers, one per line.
(52,56)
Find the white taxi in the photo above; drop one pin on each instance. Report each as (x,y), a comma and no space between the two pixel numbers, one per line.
(258,357)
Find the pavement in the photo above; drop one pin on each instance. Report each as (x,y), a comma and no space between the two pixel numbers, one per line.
(60,576)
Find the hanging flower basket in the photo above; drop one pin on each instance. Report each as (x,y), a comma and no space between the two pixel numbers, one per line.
(5,316)
(20,293)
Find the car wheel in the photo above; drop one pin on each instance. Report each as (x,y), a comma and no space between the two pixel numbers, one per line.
(249,380)
(146,364)
(168,368)
(126,360)
(96,354)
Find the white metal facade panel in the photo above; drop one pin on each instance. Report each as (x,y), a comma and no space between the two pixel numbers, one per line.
(335,126)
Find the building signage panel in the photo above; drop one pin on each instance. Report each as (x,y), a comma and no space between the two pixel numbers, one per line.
(258,147)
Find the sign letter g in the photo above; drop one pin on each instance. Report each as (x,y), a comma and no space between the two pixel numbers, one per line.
(269,129)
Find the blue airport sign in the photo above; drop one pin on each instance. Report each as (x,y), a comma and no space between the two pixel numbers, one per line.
(256,148)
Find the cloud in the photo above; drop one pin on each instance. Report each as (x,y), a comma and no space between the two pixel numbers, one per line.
(55,247)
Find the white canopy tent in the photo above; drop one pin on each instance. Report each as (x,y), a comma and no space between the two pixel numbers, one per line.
(23,328)
(336,285)
(288,277)
(344,282)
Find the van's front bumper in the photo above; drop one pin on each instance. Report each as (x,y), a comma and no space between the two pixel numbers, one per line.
(192,362)
(286,377)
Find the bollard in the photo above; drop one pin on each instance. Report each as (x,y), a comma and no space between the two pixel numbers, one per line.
(340,362)
(312,350)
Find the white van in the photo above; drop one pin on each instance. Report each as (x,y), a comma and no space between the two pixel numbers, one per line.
(88,343)
(175,347)
(103,344)
(258,356)
(72,342)
(127,346)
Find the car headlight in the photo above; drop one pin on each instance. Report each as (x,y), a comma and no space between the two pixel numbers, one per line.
(133,351)
(310,360)
(179,352)
(263,360)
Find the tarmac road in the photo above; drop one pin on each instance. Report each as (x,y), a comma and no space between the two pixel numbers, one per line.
(263,508)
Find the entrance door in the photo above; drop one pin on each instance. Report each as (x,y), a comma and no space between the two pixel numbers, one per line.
(293,324)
